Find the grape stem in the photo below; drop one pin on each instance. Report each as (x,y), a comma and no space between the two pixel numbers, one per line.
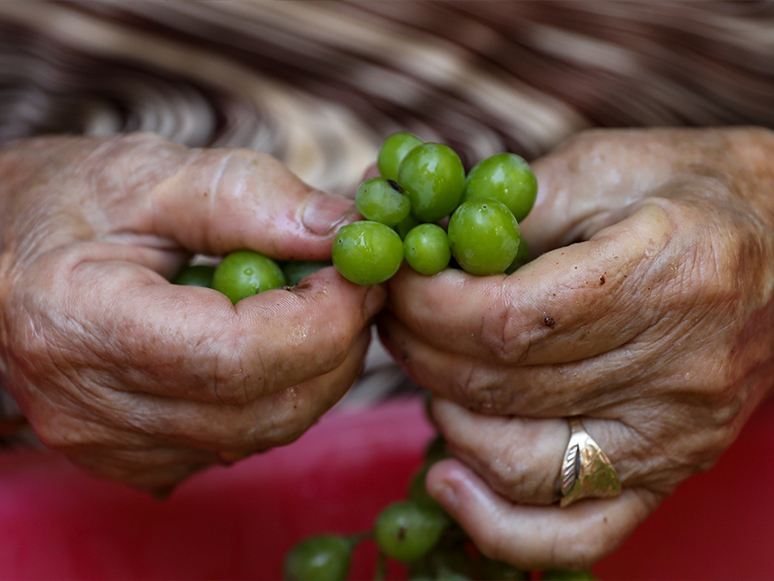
(380,571)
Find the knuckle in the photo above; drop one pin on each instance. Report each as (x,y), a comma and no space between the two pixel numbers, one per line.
(510,481)
(475,389)
(292,417)
(237,378)
(501,332)
(523,485)
(246,160)
(479,390)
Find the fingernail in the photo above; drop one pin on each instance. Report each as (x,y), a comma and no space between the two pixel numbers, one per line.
(323,213)
(375,299)
(444,493)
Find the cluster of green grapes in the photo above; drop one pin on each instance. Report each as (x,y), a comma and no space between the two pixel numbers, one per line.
(420,185)
(417,532)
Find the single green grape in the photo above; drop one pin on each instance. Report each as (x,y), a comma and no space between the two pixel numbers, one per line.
(433,177)
(367,252)
(522,257)
(382,200)
(484,236)
(392,152)
(426,248)
(492,570)
(566,575)
(245,273)
(319,558)
(195,275)
(406,531)
(504,177)
(406,225)
(297,270)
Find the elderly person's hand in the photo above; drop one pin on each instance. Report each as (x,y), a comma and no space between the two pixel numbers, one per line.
(140,380)
(648,313)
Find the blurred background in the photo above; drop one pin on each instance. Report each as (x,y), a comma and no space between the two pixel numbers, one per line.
(320,84)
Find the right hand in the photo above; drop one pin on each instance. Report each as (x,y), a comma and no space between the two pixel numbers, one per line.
(142,381)
(649,312)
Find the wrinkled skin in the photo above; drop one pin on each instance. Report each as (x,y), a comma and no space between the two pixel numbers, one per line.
(648,312)
(142,381)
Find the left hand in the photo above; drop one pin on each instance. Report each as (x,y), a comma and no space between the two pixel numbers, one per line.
(146,382)
(649,313)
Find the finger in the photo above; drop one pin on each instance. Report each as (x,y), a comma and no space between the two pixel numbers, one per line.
(537,537)
(542,390)
(278,419)
(217,200)
(521,458)
(593,174)
(142,334)
(567,305)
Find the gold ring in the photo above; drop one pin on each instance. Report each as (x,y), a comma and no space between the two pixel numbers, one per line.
(587,471)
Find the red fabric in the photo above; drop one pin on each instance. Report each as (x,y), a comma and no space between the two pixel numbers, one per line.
(238,522)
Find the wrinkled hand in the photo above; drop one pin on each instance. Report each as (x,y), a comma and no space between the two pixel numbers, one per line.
(142,381)
(648,313)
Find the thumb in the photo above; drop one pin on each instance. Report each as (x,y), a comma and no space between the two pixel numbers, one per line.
(220,200)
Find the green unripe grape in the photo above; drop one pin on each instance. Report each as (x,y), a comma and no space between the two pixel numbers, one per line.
(566,575)
(246,273)
(433,177)
(504,177)
(406,225)
(367,252)
(319,558)
(484,236)
(522,257)
(297,270)
(195,275)
(406,531)
(426,248)
(392,152)
(382,200)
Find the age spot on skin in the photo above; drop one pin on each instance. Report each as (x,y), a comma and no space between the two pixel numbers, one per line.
(548,322)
